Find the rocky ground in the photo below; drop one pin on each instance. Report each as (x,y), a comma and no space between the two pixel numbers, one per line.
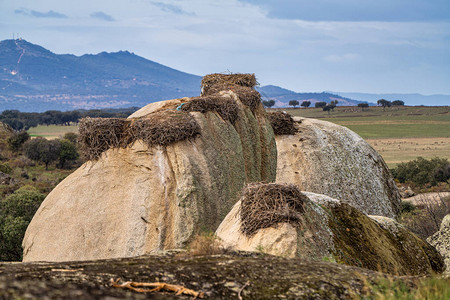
(226,276)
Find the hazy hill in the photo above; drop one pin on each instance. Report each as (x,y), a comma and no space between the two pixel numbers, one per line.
(35,79)
(283,96)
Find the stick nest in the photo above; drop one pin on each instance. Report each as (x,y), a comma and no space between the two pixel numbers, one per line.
(247,80)
(266,204)
(242,84)
(282,123)
(161,128)
(225,107)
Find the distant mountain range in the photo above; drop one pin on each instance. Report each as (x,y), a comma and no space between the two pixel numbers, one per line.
(33,78)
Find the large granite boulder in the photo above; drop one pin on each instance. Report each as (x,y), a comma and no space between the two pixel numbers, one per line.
(323,228)
(138,199)
(325,158)
(441,241)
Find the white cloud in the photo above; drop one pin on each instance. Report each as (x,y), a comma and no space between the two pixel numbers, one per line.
(200,36)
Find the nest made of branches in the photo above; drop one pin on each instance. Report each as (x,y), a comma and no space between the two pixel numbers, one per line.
(161,128)
(282,123)
(164,127)
(247,95)
(247,80)
(267,204)
(97,135)
(225,107)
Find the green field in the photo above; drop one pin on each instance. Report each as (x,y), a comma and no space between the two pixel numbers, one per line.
(51,131)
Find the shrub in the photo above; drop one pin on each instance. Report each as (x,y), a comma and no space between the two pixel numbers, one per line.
(206,244)
(16,212)
(422,171)
(16,141)
(5,168)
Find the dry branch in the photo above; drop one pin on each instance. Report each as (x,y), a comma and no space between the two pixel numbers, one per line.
(156,286)
(266,204)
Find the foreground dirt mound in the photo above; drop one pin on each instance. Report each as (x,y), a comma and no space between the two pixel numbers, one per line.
(441,241)
(329,159)
(217,277)
(325,228)
(138,197)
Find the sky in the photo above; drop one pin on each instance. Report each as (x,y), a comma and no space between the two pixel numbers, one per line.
(370,46)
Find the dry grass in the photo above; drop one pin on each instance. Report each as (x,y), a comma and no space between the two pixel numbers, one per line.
(282,123)
(206,244)
(397,150)
(266,204)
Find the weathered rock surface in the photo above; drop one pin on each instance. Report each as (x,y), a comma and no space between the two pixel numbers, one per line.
(330,229)
(441,241)
(332,160)
(137,200)
(217,276)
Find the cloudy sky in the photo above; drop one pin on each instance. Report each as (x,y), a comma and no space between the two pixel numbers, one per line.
(375,46)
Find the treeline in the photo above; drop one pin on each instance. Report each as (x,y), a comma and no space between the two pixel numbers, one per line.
(24,121)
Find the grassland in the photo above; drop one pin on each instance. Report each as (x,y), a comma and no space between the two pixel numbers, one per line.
(399,134)
(51,131)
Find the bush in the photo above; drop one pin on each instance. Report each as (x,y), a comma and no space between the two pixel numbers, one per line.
(16,141)
(16,212)
(422,171)
(42,150)
(5,168)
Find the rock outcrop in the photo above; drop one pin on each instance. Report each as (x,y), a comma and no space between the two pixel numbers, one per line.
(329,159)
(441,241)
(333,230)
(141,199)
(249,275)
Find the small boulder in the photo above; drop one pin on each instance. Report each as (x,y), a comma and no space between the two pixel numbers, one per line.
(441,241)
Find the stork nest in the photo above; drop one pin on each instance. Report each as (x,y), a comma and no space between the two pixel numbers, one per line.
(96,135)
(225,107)
(282,123)
(267,204)
(164,127)
(247,95)
(247,80)
(161,128)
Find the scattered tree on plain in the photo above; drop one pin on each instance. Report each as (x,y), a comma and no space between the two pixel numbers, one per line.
(384,103)
(67,152)
(306,104)
(42,150)
(268,103)
(363,105)
(320,104)
(398,103)
(294,103)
